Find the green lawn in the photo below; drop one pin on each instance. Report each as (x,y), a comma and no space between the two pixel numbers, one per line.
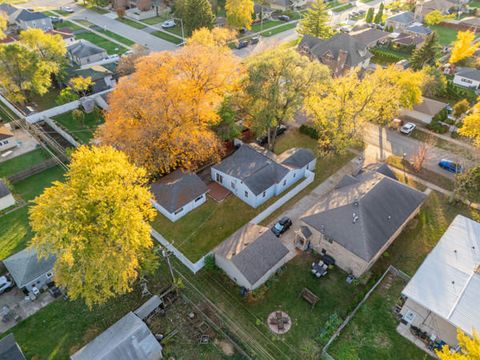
(15,232)
(22,162)
(342,8)
(372,334)
(68,24)
(6,115)
(46,101)
(445,35)
(34,185)
(279,29)
(131,23)
(115,36)
(109,46)
(266,25)
(81,132)
(474,3)
(155,20)
(166,36)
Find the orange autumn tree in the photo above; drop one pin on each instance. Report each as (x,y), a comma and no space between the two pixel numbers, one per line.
(162,115)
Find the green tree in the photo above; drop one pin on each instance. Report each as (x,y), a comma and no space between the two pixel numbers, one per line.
(239,13)
(315,22)
(275,86)
(435,82)
(460,108)
(79,116)
(379,16)
(426,54)
(369,16)
(227,128)
(66,95)
(96,223)
(195,14)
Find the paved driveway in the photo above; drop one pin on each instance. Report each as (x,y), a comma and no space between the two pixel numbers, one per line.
(266,43)
(139,36)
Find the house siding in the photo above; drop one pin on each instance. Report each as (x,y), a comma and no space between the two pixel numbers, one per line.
(39,282)
(185,209)
(6,202)
(465,82)
(7,144)
(43,24)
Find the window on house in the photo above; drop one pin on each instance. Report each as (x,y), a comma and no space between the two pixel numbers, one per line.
(233,185)
(246,193)
(178,211)
(466,81)
(49,274)
(219,178)
(294,174)
(199,198)
(264,193)
(284,182)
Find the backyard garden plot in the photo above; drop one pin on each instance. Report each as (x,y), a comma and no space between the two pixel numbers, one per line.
(81,130)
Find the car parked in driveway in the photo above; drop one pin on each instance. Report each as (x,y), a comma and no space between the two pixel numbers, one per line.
(168,24)
(281,226)
(284,18)
(451,166)
(5,284)
(408,128)
(67,9)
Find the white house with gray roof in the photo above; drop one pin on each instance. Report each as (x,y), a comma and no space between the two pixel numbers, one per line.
(83,52)
(444,293)
(33,20)
(255,175)
(251,256)
(128,339)
(357,222)
(178,193)
(28,271)
(467,77)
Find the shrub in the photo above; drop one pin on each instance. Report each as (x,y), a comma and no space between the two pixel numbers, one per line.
(436,127)
(310,131)
(210,264)
(329,328)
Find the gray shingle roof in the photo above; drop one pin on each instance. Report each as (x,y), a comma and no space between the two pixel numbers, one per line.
(7,8)
(430,106)
(177,189)
(296,158)
(363,216)
(468,73)
(26,15)
(9,349)
(4,190)
(357,51)
(370,36)
(254,250)
(419,29)
(84,48)
(148,307)
(383,169)
(406,17)
(24,266)
(127,339)
(256,169)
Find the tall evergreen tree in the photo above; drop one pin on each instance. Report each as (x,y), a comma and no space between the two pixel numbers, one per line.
(369,16)
(315,21)
(379,17)
(427,54)
(195,14)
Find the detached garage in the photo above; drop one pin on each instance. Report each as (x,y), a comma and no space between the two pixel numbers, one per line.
(425,111)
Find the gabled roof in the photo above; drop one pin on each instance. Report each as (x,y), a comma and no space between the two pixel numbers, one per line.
(128,339)
(441,5)
(370,36)
(429,106)
(362,215)
(408,39)
(296,158)
(356,51)
(254,250)
(83,48)
(448,281)
(469,73)
(25,267)
(7,8)
(406,18)
(26,15)
(4,191)
(9,349)
(5,133)
(381,168)
(96,72)
(177,189)
(256,168)
(417,28)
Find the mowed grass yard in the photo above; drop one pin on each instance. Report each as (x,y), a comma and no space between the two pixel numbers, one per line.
(202,229)
(445,35)
(22,162)
(110,47)
(83,132)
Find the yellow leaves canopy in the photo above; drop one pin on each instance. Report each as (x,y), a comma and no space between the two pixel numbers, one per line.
(471,125)
(239,13)
(470,348)
(161,115)
(215,37)
(96,223)
(464,47)
(3,24)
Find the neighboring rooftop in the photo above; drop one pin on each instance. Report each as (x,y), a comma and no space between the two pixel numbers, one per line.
(370,36)
(7,9)
(177,189)
(127,339)
(26,15)
(356,51)
(257,168)
(5,132)
(419,29)
(296,158)
(83,48)
(429,106)
(448,281)
(364,211)
(469,73)
(406,18)
(254,250)
(9,349)
(408,39)
(4,190)
(24,266)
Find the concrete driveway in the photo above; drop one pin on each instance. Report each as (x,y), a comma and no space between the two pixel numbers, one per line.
(266,43)
(139,36)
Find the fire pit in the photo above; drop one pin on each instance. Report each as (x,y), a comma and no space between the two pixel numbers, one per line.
(279,322)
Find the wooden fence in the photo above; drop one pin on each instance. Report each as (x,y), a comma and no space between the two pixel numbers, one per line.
(33,170)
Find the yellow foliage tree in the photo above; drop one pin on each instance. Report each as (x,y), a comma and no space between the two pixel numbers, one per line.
(471,125)
(215,37)
(470,348)
(464,47)
(81,85)
(239,13)
(435,17)
(3,25)
(161,116)
(96,224)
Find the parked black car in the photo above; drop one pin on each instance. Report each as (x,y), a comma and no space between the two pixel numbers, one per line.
(281,226)
(284,18)
(242,44)
(264,139)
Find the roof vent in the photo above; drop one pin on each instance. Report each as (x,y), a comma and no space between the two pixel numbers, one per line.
(355,203)
(389,217)
(355,218)
(322,229)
